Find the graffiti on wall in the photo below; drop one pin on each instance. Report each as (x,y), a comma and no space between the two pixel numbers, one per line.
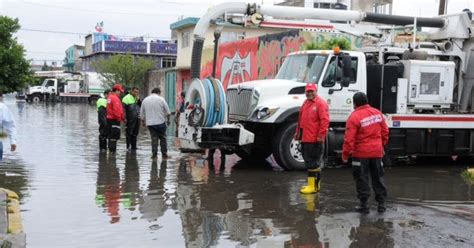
(236,62)
(273,49)
(261,58)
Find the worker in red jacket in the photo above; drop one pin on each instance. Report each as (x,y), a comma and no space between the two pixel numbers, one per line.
(364,140)
(115,116)
(313,123)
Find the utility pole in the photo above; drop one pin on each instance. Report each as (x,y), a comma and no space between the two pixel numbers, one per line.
(442,7)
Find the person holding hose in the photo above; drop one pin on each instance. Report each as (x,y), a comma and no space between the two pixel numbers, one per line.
(312,128)
(115,116)
(364,140)
(132,113)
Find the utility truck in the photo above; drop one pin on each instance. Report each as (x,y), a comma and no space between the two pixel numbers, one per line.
(85,85)
(424,90)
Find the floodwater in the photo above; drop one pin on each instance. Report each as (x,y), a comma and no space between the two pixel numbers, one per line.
(73,197)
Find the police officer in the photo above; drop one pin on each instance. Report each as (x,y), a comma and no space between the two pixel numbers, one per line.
(115,116)
(102,118)
(313,123)
(132,112)
(364,140)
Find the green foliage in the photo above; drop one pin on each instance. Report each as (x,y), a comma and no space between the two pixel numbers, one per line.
(14,68)
(468,176)
(341,42)
(124,69)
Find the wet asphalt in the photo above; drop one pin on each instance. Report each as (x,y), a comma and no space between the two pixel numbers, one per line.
(72,196)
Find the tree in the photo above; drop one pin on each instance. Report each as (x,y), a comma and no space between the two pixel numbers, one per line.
(124,69)
(45,67)
(342,43)
(14,68)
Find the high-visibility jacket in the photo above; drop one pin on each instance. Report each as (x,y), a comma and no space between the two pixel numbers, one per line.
(366,133)
(102,110)
(313,121)
(114,108)
(132,109)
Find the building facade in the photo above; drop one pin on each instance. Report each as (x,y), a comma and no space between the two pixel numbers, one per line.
(73,61)
(163,52)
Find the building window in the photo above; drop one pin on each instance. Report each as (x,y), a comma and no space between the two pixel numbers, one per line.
(185,39)
(168,62)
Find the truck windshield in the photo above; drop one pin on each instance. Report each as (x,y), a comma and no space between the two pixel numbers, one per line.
(303,68)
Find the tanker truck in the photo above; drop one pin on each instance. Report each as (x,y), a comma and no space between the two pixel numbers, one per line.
(424,90)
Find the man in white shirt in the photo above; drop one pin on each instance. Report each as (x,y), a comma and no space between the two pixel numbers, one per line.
(8,127)
(155,114)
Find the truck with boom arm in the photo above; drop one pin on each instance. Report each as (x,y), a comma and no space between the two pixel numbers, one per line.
(424,91)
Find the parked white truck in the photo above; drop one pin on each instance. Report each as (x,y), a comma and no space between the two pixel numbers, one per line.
(424,92)
(80,85)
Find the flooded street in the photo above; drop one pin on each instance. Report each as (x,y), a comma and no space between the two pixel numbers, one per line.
(73,197)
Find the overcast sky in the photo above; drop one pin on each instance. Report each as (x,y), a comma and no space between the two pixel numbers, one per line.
(132,18)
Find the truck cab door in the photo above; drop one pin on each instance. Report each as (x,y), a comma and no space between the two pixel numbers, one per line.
(50,85)
(339,98)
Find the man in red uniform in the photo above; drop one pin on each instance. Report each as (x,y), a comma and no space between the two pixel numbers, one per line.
(115,116)
(364,140)
(313,123)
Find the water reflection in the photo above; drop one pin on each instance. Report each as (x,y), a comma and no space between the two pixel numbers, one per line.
(108,191)
(131,183)
(153,202)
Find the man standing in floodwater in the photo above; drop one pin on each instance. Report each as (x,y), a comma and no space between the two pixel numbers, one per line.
(364,140)
(132,112)
(313,124)
(8,127)
(114,116)
(102,118)
(155,114)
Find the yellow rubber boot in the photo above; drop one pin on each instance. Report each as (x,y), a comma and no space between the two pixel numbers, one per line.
(310,188)
(314,181)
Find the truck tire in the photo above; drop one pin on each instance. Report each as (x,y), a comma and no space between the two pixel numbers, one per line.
(285,151)
(36,98)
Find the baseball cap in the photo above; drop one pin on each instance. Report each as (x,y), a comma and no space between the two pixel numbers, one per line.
(118,87)
(312,87)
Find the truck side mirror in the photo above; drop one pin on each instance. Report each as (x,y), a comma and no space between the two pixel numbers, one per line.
(346,70)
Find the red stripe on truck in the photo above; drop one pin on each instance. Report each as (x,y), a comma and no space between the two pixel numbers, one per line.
(430,118)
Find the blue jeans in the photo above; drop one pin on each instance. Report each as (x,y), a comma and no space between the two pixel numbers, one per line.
(1,150)
(158,136)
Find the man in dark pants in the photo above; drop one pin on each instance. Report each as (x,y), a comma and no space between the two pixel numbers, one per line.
(114,116)
(155,114)
(102,117)
(132,112)
(313,124)
(365,138)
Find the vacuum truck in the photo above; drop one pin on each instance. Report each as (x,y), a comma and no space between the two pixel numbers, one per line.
(424,90)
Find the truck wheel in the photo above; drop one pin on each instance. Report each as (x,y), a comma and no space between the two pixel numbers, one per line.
(285,148)
(36,98)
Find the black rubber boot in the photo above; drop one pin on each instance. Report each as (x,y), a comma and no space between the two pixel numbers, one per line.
(112,146)
(129,140)
(133,142)
(362,208)
(381,207)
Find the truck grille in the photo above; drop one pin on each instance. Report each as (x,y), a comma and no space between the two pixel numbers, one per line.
(240,103)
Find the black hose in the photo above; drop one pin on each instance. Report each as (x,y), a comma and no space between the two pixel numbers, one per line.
(196,58)
(404,20)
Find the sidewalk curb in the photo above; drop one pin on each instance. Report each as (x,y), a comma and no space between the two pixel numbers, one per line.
(11,228)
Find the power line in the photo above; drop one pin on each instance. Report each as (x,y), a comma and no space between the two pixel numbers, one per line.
(38,52)
(84,34)
(100,11)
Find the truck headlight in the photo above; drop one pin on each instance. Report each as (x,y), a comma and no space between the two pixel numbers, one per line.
(265,112)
